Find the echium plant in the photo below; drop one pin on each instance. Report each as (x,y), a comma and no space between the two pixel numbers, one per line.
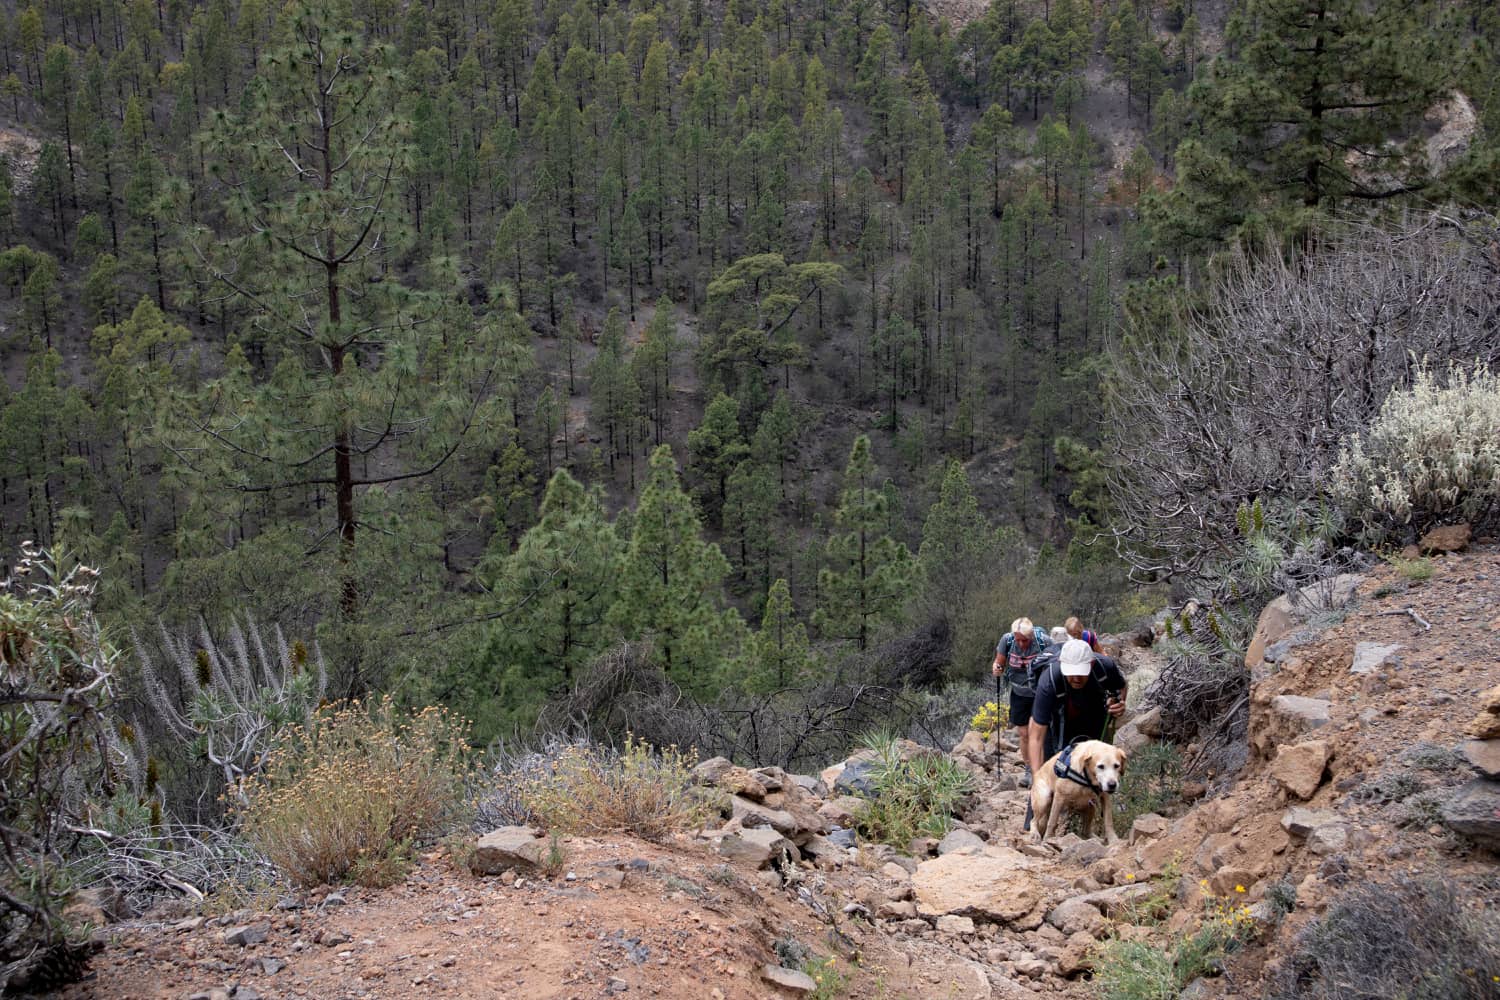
(233,697)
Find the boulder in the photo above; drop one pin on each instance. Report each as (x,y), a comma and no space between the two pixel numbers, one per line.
(1486,725)
(788,979)
(972,746)
(1279,617)
(757,847)
(1299,714)
(1084,853)
(1150,723)
(1330,838)
(709,772)
(756,814)
(1300,769)
(842,810)
(896,909)
(1370,657)
(1484,757)
(1230,880)
(247,934)
(1448,538)
(856,778)
(1116,900)
(955,926)
(1475,812)
(1276,620)
(1073,958)
(773,778)
(998,884)
(1130,738)
(516,847)
(922,847)
(1072,916)
(1148,825)
(739,781)
(958,840)
(1300,821)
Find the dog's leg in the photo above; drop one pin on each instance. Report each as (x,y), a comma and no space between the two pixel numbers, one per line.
(1087,824)
(1041,811)
(1055,814)
(1109,820)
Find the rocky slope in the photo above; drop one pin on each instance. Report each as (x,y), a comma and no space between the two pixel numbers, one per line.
(1373,755)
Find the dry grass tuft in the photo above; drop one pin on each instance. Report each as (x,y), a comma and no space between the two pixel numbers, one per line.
(345,797)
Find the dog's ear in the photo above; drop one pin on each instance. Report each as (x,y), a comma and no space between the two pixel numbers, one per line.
(1123,757)
(1083,758)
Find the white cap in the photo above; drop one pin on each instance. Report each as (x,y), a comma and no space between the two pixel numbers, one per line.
(1077,658)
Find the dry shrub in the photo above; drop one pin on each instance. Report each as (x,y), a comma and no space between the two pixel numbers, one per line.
(1433,454)
(636,790)
(344,797)
(1413,938)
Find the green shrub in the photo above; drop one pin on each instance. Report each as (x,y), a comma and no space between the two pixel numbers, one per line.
(1139,970)
(1418,570)
(346,796)
(916,797)
(1153,781)
(638,790)
(1414,938)
(1431,455)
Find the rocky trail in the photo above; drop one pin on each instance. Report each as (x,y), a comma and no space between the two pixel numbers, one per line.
(1374,745)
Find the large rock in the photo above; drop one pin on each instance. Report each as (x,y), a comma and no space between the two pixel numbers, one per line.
(842,810)
(1299,714)
(518,847)
(1300,821)
(1300,769)
(1448,538)
(709,772)
(973,746)
(1148,825)
(1276,620)
(789,979)
(998,884)
(1475,812)
(1072,916)
(757,847)
(1370,657)
(1486,725)
(1284,614)
(1484,757)
(1330,838)
(1130,738)
(958,840)
(1150,723)
(755,814)
(857,778)
(1114,901)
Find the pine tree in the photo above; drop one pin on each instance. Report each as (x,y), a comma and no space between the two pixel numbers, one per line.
(1320,106)
(866,572)
(551,597)
(780,653)
(958,542)
(671,583)
(718,446)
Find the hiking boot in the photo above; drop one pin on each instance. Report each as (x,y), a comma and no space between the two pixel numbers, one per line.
(1025,781)
(1026,826)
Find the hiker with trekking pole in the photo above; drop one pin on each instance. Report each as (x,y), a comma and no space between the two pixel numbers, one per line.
(1012,669)
(1077,695)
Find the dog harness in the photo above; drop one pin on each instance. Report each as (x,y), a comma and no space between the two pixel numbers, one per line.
(1064,769)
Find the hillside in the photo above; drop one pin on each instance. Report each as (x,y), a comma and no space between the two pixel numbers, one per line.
(1381,706)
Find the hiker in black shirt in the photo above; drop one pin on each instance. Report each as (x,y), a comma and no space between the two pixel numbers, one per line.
(1075,699)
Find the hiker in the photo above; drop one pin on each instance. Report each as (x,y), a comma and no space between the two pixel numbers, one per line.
(1075,628)
(1077,696)
(1013,658)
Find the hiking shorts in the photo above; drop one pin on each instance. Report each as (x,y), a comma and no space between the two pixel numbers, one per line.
(1020,708)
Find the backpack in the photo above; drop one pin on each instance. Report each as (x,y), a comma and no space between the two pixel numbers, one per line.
(1013,674)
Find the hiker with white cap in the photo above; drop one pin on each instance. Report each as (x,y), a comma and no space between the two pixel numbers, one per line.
(1079,694)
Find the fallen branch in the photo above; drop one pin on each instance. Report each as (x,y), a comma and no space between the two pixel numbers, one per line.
(1426,625)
